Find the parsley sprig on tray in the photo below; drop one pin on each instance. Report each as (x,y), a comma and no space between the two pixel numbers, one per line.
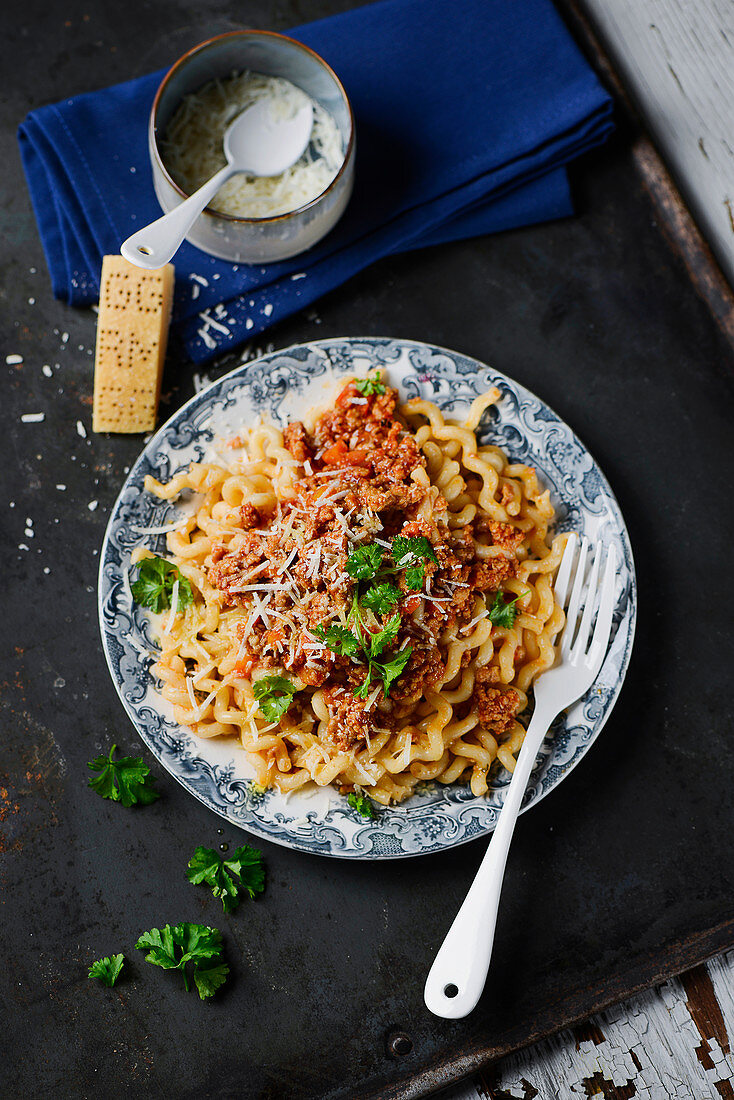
(230,879)
(196,949)
(126,780)
(107,970)
(174,948)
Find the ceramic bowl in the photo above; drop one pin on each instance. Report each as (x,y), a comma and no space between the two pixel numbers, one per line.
(256,240)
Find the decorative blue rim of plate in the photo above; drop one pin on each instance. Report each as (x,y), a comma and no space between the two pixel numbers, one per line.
(278,384)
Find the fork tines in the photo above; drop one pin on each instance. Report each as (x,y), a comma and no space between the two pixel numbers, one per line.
(590,596)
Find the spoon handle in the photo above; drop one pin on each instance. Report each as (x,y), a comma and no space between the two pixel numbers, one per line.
(158,242)
(456,979)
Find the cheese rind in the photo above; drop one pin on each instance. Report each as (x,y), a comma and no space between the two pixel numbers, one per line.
(132,332)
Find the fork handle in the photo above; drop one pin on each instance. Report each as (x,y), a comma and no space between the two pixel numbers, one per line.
(462,962)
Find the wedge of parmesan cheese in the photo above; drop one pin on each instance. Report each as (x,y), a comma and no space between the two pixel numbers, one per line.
(132,331)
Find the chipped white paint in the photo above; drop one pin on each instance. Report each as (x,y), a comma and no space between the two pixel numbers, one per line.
(650,1047)
(676,57)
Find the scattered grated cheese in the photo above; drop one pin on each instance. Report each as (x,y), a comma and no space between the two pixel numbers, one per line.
(201,381)
(202,707)
(190,689)
(209,341)
(157,530)
(32,418)
(373,698)
(174,608)
(259,569)
(481,615)
(212,323)
(288,560)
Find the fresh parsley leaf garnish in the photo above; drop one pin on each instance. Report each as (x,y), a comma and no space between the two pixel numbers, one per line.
(229,878)
(107,970)
(364,562)
(503,614)
(381,598)
(153,587)
(370,647)
(370,385)
(209,979)
(173,948)
(361,803)
(385,637)
(127,780)
(415,576)
(363,690)
(405,551)
(390,670)
(339,640)
(274,695)
(410,553)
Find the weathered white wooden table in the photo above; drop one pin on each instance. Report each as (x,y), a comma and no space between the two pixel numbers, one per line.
(676,59)
(673,1041)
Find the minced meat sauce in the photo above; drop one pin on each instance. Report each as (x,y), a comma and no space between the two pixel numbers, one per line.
(288,571)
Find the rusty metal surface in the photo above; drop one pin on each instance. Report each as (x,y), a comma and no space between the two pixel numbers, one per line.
(623,876)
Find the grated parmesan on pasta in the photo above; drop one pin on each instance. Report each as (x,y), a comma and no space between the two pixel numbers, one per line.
(192,148)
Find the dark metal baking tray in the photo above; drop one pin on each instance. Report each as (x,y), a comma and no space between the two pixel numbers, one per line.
(620,878)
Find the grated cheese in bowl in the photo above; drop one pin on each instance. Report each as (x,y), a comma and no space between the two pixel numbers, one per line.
(192,148)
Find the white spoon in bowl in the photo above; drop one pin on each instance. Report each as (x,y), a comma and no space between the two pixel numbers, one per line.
(254,142)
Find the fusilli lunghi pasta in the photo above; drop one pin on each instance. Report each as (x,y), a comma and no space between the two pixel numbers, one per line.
(372,597)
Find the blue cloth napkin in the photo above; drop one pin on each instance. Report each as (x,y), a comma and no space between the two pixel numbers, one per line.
(466,114)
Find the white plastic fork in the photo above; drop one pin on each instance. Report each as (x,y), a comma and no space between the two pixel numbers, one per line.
(459,972)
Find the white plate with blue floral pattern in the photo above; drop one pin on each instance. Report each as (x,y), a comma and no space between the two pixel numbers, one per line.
(281,385)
